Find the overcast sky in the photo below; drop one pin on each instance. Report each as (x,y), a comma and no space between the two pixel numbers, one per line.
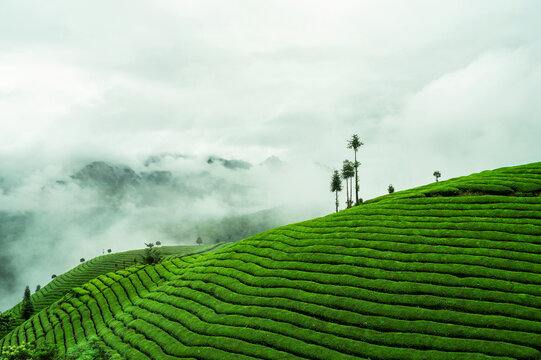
(447,85)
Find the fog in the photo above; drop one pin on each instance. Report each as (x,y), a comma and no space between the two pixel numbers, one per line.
(56,215)
(158,88)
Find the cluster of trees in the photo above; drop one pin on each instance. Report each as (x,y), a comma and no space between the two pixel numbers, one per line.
(349,171)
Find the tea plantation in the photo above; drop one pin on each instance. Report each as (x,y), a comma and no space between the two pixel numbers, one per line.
(450,270)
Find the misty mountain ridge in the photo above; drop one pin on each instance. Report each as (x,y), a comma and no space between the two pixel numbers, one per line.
(68,213)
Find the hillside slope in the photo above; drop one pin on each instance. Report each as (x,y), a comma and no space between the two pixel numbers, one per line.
(451,270)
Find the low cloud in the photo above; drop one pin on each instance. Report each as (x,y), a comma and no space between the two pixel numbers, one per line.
(71,214)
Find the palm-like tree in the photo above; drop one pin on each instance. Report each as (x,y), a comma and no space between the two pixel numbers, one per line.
(355,144)
(437,174)
(336,185)
(348,172)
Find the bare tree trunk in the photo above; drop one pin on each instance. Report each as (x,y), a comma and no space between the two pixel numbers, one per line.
(347,194)
(336,201)
(356,180)
(351,190)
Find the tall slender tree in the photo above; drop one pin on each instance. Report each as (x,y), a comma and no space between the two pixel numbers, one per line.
(347,174)
(336,185)
(27,308)
(355,144)
(437,175)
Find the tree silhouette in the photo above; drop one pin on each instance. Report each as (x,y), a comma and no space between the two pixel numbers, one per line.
(348,172)
(27,309)
(355,144)
(199,241)
(336,185)
(390,189)
(437,174)
(151,255)
(38,288)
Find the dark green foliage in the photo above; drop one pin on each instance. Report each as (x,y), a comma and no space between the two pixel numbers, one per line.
(29,351)
(348,172)
(7,322)
(158,243)
(89,349)
(355,143)
(437,175)
(336,186)
(108,251)
(199,241)
(151,255)
(27,308)
(82,260)
(38,288)
(390,188)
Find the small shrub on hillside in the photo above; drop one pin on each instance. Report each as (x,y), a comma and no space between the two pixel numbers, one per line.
(38,288)
(82,260)
(29,351)
(158,243)
(89,350)
(390,188)
(108,251)
(53,276)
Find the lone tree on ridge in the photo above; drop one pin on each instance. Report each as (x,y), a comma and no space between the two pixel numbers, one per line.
(390,189)
(348,172)
(199,241)
(355,144)
(27,308)
(151,255)
(336,185)
(437,174)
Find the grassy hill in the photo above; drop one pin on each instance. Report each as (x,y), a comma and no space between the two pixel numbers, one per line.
(62,284)
(450,270)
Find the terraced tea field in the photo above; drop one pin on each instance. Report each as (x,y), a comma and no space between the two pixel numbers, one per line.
(450,270)
(92,268)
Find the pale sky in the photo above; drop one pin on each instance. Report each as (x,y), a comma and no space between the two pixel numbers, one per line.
(427,85)
(452,85)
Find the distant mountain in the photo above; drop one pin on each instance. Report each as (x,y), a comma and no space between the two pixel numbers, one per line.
(230,164)
(111,178)
(158,158)
(160,177)
(273,163)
